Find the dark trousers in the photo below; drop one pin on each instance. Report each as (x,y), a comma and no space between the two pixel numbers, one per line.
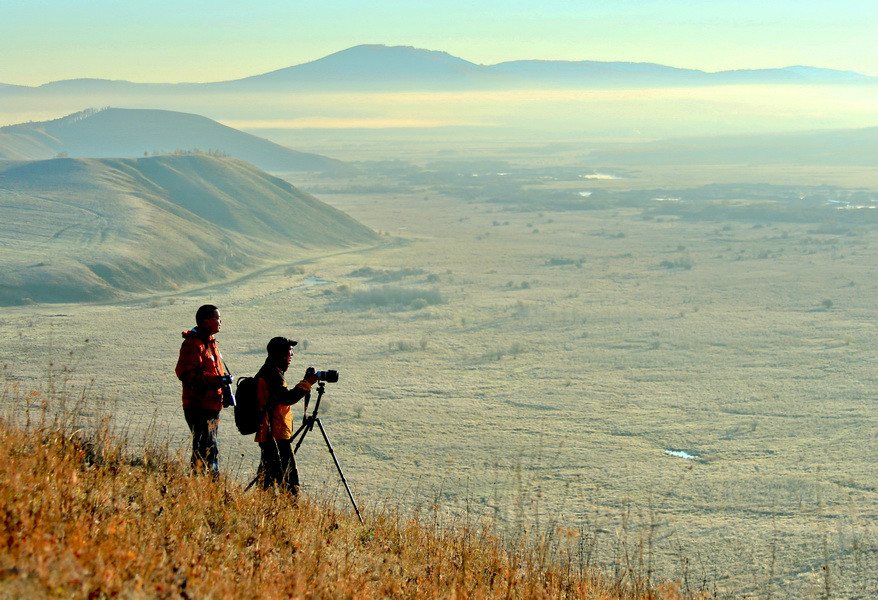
(278,466)
(204,425)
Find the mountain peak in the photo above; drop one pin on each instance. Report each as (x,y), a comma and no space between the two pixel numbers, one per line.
(396,58)
(375,66)
(372,51)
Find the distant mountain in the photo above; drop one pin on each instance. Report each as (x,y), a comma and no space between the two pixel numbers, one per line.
(596,74)
(118,132)
(404,67)
(393,68)
(625,74)
(82,85)
(94,229)
(794,75)
(848,147)
(374,67)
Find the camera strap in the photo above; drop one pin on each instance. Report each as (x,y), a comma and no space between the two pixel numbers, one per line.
(217,356)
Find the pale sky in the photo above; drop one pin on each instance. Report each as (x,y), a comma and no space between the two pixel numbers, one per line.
(215,40)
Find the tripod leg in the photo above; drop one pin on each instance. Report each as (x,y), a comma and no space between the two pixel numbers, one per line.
(304,428)
(308,422)
(338,466)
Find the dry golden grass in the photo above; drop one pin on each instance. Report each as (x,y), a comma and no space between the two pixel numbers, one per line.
(83,517)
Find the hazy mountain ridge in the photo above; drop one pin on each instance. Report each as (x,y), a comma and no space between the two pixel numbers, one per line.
(375,66)
(117,132)
(91,229)
(619,74)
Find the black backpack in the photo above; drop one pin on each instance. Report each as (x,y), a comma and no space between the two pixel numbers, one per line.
(248,417)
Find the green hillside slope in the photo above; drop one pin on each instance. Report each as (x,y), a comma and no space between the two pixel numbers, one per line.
(90,229)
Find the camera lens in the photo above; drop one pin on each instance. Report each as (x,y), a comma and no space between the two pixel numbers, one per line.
(327,376)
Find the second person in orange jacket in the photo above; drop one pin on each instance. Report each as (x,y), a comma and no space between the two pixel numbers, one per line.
(278,460)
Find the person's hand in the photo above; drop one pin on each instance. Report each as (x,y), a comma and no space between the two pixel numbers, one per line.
(310,375)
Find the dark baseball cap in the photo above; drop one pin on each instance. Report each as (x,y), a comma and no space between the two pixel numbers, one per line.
(280,345)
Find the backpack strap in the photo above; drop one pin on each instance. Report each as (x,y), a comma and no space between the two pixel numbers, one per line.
(268,404)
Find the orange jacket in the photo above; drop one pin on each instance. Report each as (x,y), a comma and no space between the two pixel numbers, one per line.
(273,394)
(199,368)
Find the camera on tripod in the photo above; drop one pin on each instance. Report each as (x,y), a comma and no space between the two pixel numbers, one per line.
(330,376)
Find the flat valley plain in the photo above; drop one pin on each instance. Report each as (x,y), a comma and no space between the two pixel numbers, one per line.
(687,398)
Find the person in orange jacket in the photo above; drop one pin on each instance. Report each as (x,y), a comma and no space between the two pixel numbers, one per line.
(278,459)
(200,369)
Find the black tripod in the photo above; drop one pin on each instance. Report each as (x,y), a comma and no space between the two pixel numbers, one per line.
(302,431)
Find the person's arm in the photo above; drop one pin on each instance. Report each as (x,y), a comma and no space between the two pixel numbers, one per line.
(295,393)
(301,390)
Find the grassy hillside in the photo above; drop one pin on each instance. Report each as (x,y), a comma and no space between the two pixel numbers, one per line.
(82,518)
(88,229)
(117,132)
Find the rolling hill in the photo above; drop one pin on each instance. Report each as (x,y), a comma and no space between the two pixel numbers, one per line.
(94,229)
(118,132)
